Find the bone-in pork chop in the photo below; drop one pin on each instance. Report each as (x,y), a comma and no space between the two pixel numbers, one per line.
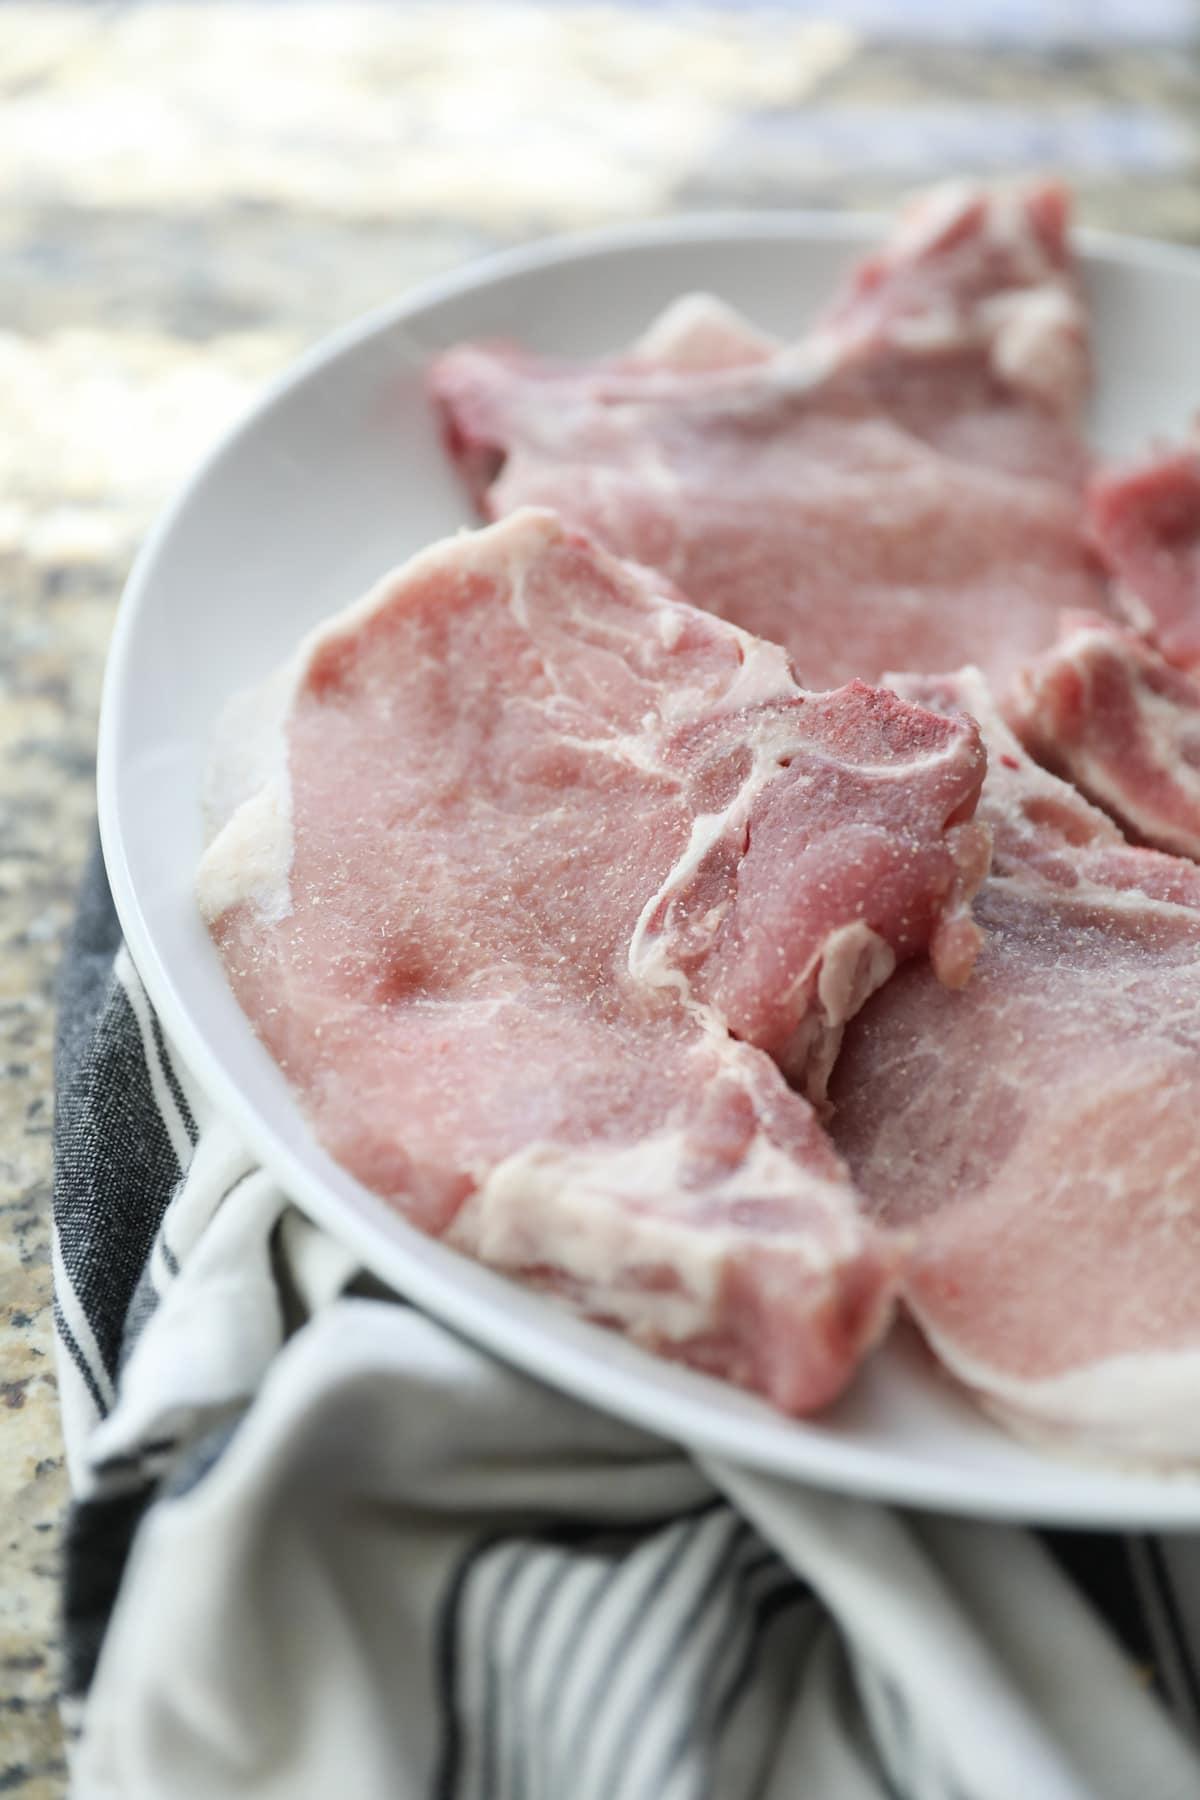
(1107,712)
(900,489)
(1145,521)
(1038,1130)
(508,851)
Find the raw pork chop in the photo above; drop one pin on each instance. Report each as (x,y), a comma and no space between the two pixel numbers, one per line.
(1039,1130)
(514,845)
(1146,524)
(901,489)
(1107,712)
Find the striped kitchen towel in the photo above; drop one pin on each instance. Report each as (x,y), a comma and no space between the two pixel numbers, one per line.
(322,1546)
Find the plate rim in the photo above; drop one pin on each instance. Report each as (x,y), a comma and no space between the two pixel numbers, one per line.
(1164,1502)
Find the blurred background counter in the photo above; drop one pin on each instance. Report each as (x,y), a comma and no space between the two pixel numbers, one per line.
(190,194)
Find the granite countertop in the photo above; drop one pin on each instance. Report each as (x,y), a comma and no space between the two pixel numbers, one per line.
(192,194)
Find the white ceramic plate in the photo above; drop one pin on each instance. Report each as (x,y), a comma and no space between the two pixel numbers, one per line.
(334,477)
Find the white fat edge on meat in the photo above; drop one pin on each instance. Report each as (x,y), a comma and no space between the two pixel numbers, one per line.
(1089,896)
(1008,225)
(1023,328)
(1027,330)
(846,968)
(1026,327)
(937,211)
(1133,609)
(923,223)
(967,693)
(1141,1408)
(247,788)
(247,797)
(796,369)
(849,955)
(1157,712)
(697,331)
(1024,331)
(764,675)
(248,803)
(1006,791)
(1005,794)
(853,962)
(576,1211)
(685,339)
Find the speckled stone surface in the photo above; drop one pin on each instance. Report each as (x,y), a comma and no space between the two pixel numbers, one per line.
(190,194)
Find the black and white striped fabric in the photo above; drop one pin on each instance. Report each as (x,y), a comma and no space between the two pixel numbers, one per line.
(322,1546)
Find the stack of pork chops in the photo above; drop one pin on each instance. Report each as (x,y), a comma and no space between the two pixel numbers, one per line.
(611,924)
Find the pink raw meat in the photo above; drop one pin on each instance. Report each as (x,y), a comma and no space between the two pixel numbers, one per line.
(1038,1130)
(1104,710)
(1145,522)
(508,851)
(901,489)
